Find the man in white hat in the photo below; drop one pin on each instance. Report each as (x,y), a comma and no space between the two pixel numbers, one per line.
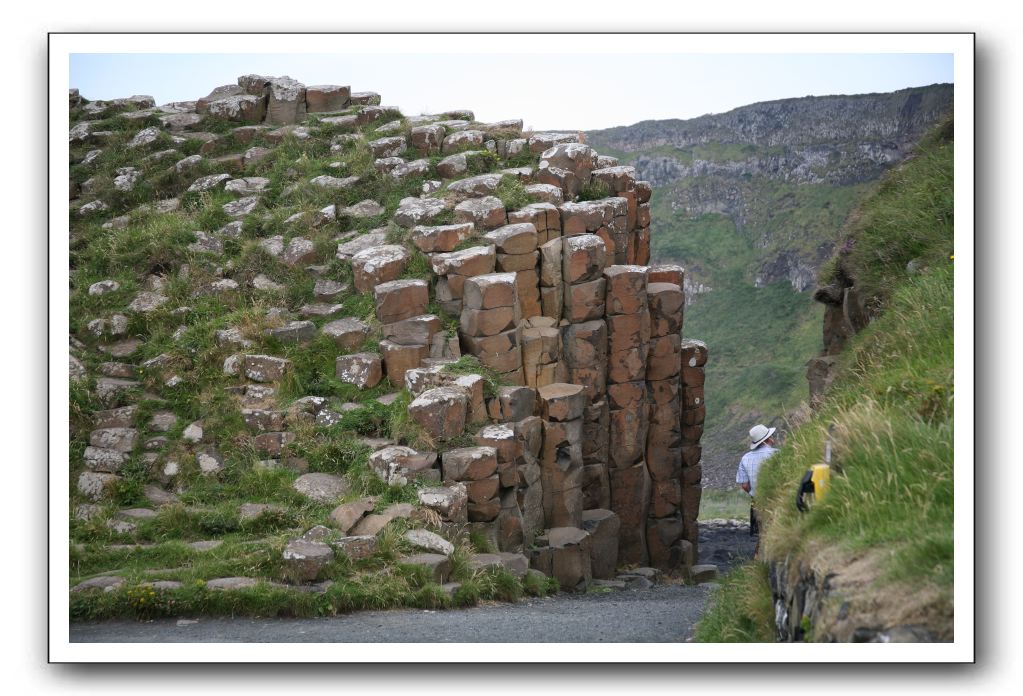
(761,449)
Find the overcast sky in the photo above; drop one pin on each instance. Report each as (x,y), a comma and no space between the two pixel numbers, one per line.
(547,91)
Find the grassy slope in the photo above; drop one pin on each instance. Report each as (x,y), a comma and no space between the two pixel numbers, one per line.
(891,415)
(209,507)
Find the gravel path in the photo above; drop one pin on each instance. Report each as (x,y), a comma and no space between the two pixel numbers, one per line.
(661,614)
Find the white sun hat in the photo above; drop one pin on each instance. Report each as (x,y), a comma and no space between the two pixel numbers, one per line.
(758,433)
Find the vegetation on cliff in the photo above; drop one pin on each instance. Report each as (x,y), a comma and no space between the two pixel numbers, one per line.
(889,415)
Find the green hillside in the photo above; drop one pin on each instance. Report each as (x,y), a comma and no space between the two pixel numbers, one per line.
(887,519)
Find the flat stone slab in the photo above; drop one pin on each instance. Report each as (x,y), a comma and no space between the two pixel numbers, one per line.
(236,583)
(323,488)
(107,583)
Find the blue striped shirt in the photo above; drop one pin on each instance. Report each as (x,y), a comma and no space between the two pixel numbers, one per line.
(749,466)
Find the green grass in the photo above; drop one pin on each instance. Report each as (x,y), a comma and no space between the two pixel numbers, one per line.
(910,218)
(732,504)
(183,331)
(889,416)
(740,610)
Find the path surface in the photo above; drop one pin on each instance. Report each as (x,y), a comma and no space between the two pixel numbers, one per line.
(661,614)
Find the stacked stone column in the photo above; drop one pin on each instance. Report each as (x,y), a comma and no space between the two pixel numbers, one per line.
(561,458)
(665,541)
(628,329)
(477,468)
(516,253)
(489,324)
(694,357)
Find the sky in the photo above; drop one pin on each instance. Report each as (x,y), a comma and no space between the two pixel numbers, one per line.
(547,91)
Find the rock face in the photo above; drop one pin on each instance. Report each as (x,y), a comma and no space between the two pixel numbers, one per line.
(538,392)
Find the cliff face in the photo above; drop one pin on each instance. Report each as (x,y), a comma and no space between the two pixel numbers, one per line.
(744,164)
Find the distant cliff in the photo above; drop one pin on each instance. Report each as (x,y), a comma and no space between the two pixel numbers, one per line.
(750,164)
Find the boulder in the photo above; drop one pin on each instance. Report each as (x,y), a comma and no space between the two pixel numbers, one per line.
(400,358)
(374,524)
(97,485)
(462,140)
(363,209)
(666,302)
(346,515)
(388,147)
(489,291)
(429,541)
(584,301)
(427,139)
(476,186)
(626,289)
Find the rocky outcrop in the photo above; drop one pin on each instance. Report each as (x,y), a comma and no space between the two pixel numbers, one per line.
(573,448)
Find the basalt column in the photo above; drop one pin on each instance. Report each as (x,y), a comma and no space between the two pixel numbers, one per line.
(628,329)
(489,323)
(584,346)
(694,357)
(665,524)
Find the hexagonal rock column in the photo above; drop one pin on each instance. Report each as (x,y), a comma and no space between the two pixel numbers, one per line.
(489,323)
(562,408)
(477,468)
(516,253)
(567,166)
(694,357)
(542,216)
(582,264)
(541,352)
(603,527)
(628,326)
(326,98)
(663,445)
(451,502)
(398,300)
(452,269)
(606,218)
(361,369)
(396,465)
(441,412)
(521,514)
(564,553)
(303,560)
(376,265)
(639,248)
